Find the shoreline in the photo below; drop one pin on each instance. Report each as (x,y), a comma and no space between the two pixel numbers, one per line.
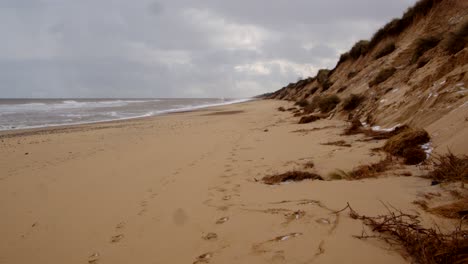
(185,188)
(49,127)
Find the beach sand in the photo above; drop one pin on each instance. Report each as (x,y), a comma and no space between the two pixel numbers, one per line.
(183,188)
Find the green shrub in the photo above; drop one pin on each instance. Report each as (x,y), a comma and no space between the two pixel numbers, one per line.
(352,102)
(457,40)
(382,76)
(389,48)
(328,103)
(423,45)
(360,48)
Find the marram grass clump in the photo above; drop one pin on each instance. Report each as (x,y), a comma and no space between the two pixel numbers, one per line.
(405,144)
(382,76)
(450,168)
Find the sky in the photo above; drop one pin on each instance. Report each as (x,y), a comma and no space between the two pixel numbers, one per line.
(176,48)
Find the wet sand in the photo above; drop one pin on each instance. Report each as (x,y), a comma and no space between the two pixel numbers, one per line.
(183,188)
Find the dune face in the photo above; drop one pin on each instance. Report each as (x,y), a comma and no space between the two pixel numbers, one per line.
(413,71)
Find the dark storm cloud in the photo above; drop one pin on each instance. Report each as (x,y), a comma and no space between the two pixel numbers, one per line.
(184,48)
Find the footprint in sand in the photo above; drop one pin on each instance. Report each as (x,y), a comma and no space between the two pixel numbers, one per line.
(260,248)
(286,237)
(323,221)
(203,258)
(210,236)
(94,258)
(222,220)
(117,238)
(120,226)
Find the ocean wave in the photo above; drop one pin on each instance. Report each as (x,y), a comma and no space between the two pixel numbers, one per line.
(67,104)
(106,116)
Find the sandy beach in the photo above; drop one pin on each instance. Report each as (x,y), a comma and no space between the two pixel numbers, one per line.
(184,188)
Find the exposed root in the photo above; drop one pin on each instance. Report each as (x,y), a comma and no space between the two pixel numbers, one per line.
(424,245)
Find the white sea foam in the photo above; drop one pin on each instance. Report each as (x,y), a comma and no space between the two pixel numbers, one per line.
(71,112)
(66,104)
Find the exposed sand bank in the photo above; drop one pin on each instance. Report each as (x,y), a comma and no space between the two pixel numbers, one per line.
(153,190)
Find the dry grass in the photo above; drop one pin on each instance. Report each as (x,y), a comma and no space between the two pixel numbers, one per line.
(342,89)
(389,48)
(360,48)
(339,143)
(371,170)
(355,127)
(324,103)
(308,119)
(364,171)
(343,57)
(404,145)
(291,176)
(328,103)
(423,245)
(423,45)
(313,90)
(457,40)
(398,25)
(352,102)
(309,165)
(414,155)
(450,168)
(302,103)
(382,76)
(322,76)
(323,79)
(391,29)
(455,210)
(351,74)
(422,62)
(326,85)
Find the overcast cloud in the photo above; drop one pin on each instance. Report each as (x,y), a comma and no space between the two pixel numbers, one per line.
(176,48)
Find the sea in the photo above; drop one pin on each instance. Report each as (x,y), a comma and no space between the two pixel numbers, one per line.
(35,113)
